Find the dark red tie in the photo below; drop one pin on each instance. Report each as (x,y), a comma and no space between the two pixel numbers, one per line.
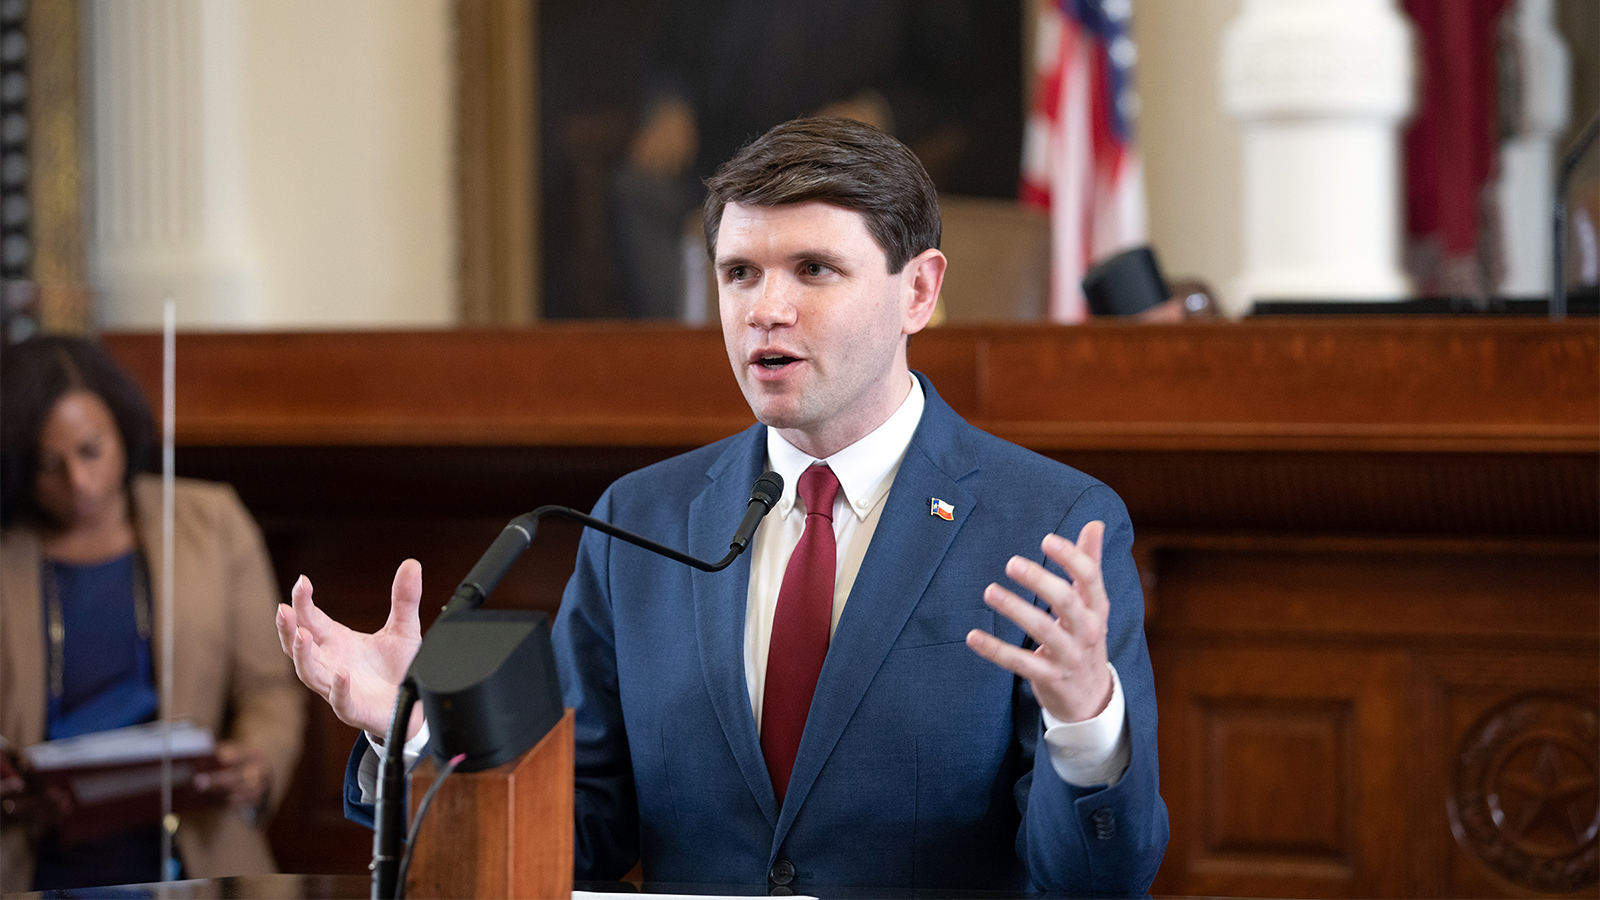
(800,626)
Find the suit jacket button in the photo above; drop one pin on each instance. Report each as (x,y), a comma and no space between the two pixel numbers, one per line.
(1105,823)
(782,872)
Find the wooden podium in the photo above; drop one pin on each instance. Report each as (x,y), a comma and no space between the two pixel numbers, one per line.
(505,832)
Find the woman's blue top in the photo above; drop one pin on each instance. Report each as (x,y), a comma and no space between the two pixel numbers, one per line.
(107,677)
(107,682)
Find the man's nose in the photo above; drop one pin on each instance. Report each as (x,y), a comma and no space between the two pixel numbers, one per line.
(773,305)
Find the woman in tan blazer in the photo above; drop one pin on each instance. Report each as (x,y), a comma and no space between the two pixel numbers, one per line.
(75,431)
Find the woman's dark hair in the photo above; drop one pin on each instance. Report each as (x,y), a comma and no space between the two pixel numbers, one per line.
(837,161)
(33,377)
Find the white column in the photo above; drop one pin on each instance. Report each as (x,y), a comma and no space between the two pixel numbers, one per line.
(167,163)
(1320,88)
(1526,187)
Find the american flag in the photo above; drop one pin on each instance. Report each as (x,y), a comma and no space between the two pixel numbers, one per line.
(1078,160)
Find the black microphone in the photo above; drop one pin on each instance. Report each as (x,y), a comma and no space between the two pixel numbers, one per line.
(482,579)
(764,496)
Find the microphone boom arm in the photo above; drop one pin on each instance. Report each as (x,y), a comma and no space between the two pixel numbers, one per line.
(519,532)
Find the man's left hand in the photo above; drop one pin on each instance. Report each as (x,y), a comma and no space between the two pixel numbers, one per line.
(1068,669)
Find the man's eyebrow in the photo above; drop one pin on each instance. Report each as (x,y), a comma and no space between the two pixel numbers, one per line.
(810,255)
(724,262)
(826,257)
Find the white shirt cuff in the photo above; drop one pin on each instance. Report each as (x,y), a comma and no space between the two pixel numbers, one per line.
(367,774)
(1095,751)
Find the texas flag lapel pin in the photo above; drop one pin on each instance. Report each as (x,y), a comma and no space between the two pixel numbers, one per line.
(942,509)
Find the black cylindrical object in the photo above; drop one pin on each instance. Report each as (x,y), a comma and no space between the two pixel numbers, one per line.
(1125,284)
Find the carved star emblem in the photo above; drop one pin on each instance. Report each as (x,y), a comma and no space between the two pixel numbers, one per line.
(1547,797)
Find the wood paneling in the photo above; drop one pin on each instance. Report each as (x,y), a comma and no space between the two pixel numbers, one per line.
(1404,386)
(575,386)
(1253,747)
(1268,774)
(1321,699)
(1369,548)
(504,832)
(1407,385)
(1511,744)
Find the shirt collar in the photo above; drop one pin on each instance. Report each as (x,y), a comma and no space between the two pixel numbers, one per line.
(863,468)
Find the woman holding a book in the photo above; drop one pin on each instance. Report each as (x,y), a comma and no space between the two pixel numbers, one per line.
(80,619)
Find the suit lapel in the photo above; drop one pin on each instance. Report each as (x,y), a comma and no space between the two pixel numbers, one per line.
(906,549)
(720,599)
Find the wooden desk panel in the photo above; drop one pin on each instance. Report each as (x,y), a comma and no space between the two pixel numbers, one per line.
(1367,545)
(1401,385)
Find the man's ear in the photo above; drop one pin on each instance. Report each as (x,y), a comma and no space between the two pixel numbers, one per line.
(924,276)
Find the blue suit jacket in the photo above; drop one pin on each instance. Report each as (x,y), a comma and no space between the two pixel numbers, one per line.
(921,764)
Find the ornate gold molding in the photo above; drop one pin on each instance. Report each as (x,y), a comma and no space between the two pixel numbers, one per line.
(55,175)
(497,186)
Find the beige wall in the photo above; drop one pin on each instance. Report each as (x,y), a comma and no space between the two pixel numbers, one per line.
(1190,146)
(349,164)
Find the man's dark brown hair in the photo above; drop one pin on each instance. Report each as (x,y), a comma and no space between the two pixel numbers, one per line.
(838,161)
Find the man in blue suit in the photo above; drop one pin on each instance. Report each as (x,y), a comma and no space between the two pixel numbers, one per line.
(930,742)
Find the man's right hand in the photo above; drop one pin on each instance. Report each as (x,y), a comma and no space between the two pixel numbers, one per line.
(358,674)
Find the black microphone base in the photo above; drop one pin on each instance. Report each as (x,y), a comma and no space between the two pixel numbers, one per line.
(488,684)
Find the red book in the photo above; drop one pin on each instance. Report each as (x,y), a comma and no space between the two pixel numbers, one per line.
(112,779)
